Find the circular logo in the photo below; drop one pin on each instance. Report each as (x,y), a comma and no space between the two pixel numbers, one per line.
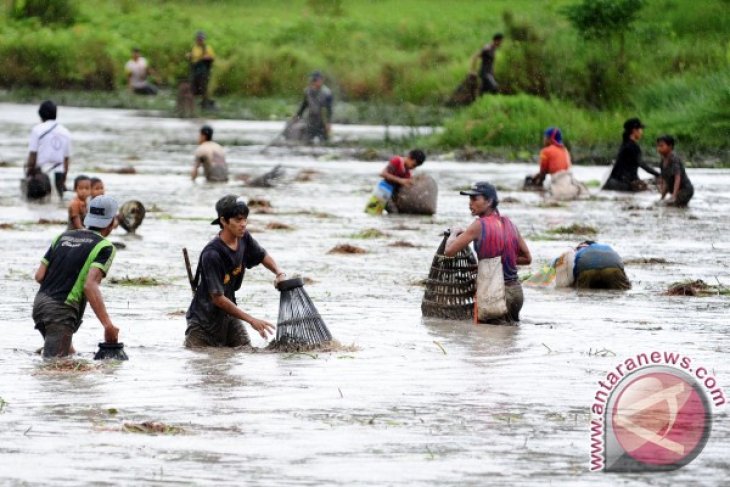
(56,143)
(661,418)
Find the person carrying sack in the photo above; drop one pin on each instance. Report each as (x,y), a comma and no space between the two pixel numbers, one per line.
(49,151)
(500,249)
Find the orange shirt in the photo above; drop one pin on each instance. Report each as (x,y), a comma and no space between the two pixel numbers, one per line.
(554,158)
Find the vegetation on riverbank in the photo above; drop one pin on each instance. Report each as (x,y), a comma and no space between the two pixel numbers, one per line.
(396,61)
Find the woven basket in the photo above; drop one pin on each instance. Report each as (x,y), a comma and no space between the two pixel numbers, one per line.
(451,285)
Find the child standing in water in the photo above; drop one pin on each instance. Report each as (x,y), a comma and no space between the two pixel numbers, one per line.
(77,206)
(97,187)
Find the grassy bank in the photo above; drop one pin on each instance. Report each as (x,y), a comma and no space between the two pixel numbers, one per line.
(397,61)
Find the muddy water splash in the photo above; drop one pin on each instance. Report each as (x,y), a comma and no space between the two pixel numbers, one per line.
(420,401)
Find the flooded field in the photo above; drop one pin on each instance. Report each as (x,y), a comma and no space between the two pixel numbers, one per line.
(418,401)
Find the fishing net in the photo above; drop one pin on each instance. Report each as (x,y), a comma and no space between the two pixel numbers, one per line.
(451,285)
(131,215)
(299,323)
(110,351)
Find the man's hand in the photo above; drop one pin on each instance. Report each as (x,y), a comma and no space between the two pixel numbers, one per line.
(263,327)
(279,277)
(454,234)
(407,182)
(111,333)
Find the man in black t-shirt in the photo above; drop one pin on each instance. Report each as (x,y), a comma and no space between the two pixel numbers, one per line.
(69,274)
(214,319)
(487,55)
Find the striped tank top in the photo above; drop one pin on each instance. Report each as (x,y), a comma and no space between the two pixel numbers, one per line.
(499,238)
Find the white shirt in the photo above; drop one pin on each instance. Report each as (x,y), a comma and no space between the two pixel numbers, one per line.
(138,70)
(52,143)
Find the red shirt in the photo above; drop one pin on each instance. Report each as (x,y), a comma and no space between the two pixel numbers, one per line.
(554,158)
(397,167)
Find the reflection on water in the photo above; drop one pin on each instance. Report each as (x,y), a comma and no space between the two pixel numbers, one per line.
(420,401)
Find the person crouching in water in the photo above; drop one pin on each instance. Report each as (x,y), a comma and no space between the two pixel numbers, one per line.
(598,266)
(555,161)
(674,180)
(625,172)
(211,156)
(214,319)
(70,274)
(494,236)
(396,174)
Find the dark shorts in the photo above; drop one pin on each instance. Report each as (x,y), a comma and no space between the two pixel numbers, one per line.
(683,197)
(488,84)
(146,89)
(230,332)
(200,78)
(316,129)
(57,322)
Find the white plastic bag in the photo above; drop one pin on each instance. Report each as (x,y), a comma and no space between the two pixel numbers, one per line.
(491,300)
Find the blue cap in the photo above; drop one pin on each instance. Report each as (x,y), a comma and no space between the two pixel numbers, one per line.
(555,135)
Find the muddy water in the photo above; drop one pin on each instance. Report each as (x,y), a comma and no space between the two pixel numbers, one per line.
(420,401)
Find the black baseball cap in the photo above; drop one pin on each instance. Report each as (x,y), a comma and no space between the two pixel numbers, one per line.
(482,188)
(633,123)
(230,206)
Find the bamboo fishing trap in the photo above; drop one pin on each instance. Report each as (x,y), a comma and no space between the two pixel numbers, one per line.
(451,285)
(299,323)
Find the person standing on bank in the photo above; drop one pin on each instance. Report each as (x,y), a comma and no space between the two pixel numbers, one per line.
(487,55)
(211,156)
(69,274)
(49,151)
(138,72)
(201,63)
(317,103)
(625,173)
(494,236)
(214,319)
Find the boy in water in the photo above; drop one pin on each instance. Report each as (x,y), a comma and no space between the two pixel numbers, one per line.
(77,206)
(397,173)
(674,178)
(97,187)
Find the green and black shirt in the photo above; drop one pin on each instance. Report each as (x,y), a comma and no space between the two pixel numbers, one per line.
(69,259)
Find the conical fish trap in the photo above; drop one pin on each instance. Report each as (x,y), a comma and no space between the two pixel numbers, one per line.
(131,215)
(451,285)
(299,323)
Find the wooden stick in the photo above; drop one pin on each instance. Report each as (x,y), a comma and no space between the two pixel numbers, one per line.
(191,279)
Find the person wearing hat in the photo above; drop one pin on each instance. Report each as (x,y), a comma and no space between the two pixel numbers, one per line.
(69,274)
(625,172)
(211,156)
(201,62)
(49,151)
(493,236)
(214,318)
(317,103)
(138,72)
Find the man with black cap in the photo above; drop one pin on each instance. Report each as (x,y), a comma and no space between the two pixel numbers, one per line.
(69,274)
(211,156)
(494,236)
(625,173)
(49,151)
(214,319)
(318,104)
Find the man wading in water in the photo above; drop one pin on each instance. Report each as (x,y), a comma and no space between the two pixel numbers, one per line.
(494,236)
(318,105)
(214,319)
(70,274)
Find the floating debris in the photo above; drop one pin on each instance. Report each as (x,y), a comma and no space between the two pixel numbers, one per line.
(646,261)
(574,229)
(697,288)
(7,226)
(62,365)
(306,175)
(404,227)
(259,203)
(45,221)
(136,281)
(551,204)
(369,233)
(403,244)
(510,200)
(278,226)
(177,313)
(347,249)
(116,170)
(332,346)
(152,428)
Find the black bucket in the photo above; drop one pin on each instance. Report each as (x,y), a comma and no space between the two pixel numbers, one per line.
(110,351)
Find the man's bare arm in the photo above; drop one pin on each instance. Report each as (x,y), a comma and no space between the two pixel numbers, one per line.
(92,292)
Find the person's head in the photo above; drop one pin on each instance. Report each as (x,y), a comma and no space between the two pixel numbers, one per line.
(552,136)
(584,244)
(497,39)
(135,53)
(483,198)
(47,110)
(316,80)
(82,186)
(102,214)
(200,38)
(665,145)
(206,134)
(232,215)
(633,129)
(415,158)
(97,187)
